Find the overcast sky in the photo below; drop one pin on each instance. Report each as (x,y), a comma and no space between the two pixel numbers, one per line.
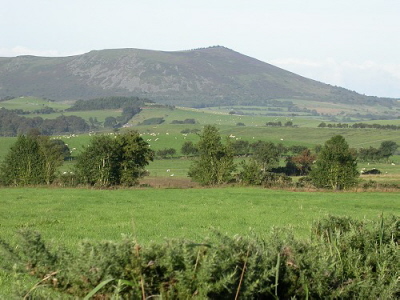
(350,43)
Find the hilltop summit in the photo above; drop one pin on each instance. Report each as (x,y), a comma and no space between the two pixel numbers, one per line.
(207,76)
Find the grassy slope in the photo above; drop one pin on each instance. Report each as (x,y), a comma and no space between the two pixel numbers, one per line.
(31,104)
(307,132)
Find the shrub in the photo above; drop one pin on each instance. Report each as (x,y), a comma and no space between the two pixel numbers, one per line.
(344,259)
(152,121)
(163,153)
(186,121)
(305,181)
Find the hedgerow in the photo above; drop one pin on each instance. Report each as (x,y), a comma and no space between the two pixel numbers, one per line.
(344,258)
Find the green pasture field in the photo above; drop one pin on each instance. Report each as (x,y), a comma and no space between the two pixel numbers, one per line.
(337,108)
(219,117)
(32,103)
(170,136)
(5,144)
(309,137)
(167,135)
(306,133)
(384,122)
(255,111)
(321,107)
(66,216)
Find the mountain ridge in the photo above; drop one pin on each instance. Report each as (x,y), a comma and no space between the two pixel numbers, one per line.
(205,76)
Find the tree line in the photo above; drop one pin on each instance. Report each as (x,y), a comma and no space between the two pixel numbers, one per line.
(108,103)
(44,110)
(12,124)
(386,149)
(332,166)
(297,153)
(108,160)
(120,159)
(359,125)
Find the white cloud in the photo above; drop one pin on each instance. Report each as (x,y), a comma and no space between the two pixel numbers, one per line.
(368,77)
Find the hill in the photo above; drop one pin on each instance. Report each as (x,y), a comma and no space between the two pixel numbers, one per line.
(201,77)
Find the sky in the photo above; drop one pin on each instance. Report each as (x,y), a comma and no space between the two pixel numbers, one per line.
(349,43)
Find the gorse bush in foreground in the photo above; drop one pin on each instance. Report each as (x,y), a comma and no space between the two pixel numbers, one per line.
(344,259)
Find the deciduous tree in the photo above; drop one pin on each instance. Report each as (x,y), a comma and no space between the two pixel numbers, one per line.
(114,160)
(388,148)
(188,148)
(33,159)
(215,162)
(304,161)
(267,154)
(336,166)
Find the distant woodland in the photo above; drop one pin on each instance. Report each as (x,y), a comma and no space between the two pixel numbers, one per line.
(12,124)
(108,103)
(15,122)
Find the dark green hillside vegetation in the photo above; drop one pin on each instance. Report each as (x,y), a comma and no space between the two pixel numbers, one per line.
(345,258)
(12,124)
(360,125)
(17,116)
(108,103)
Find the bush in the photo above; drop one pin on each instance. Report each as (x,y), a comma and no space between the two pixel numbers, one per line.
(344,259)
(163,153)
(305,181)
(152,121)
(186,121)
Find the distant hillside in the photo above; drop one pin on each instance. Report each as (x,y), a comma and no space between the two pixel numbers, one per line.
(201,77)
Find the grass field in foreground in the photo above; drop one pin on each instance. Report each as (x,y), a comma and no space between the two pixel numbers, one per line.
(66,216)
